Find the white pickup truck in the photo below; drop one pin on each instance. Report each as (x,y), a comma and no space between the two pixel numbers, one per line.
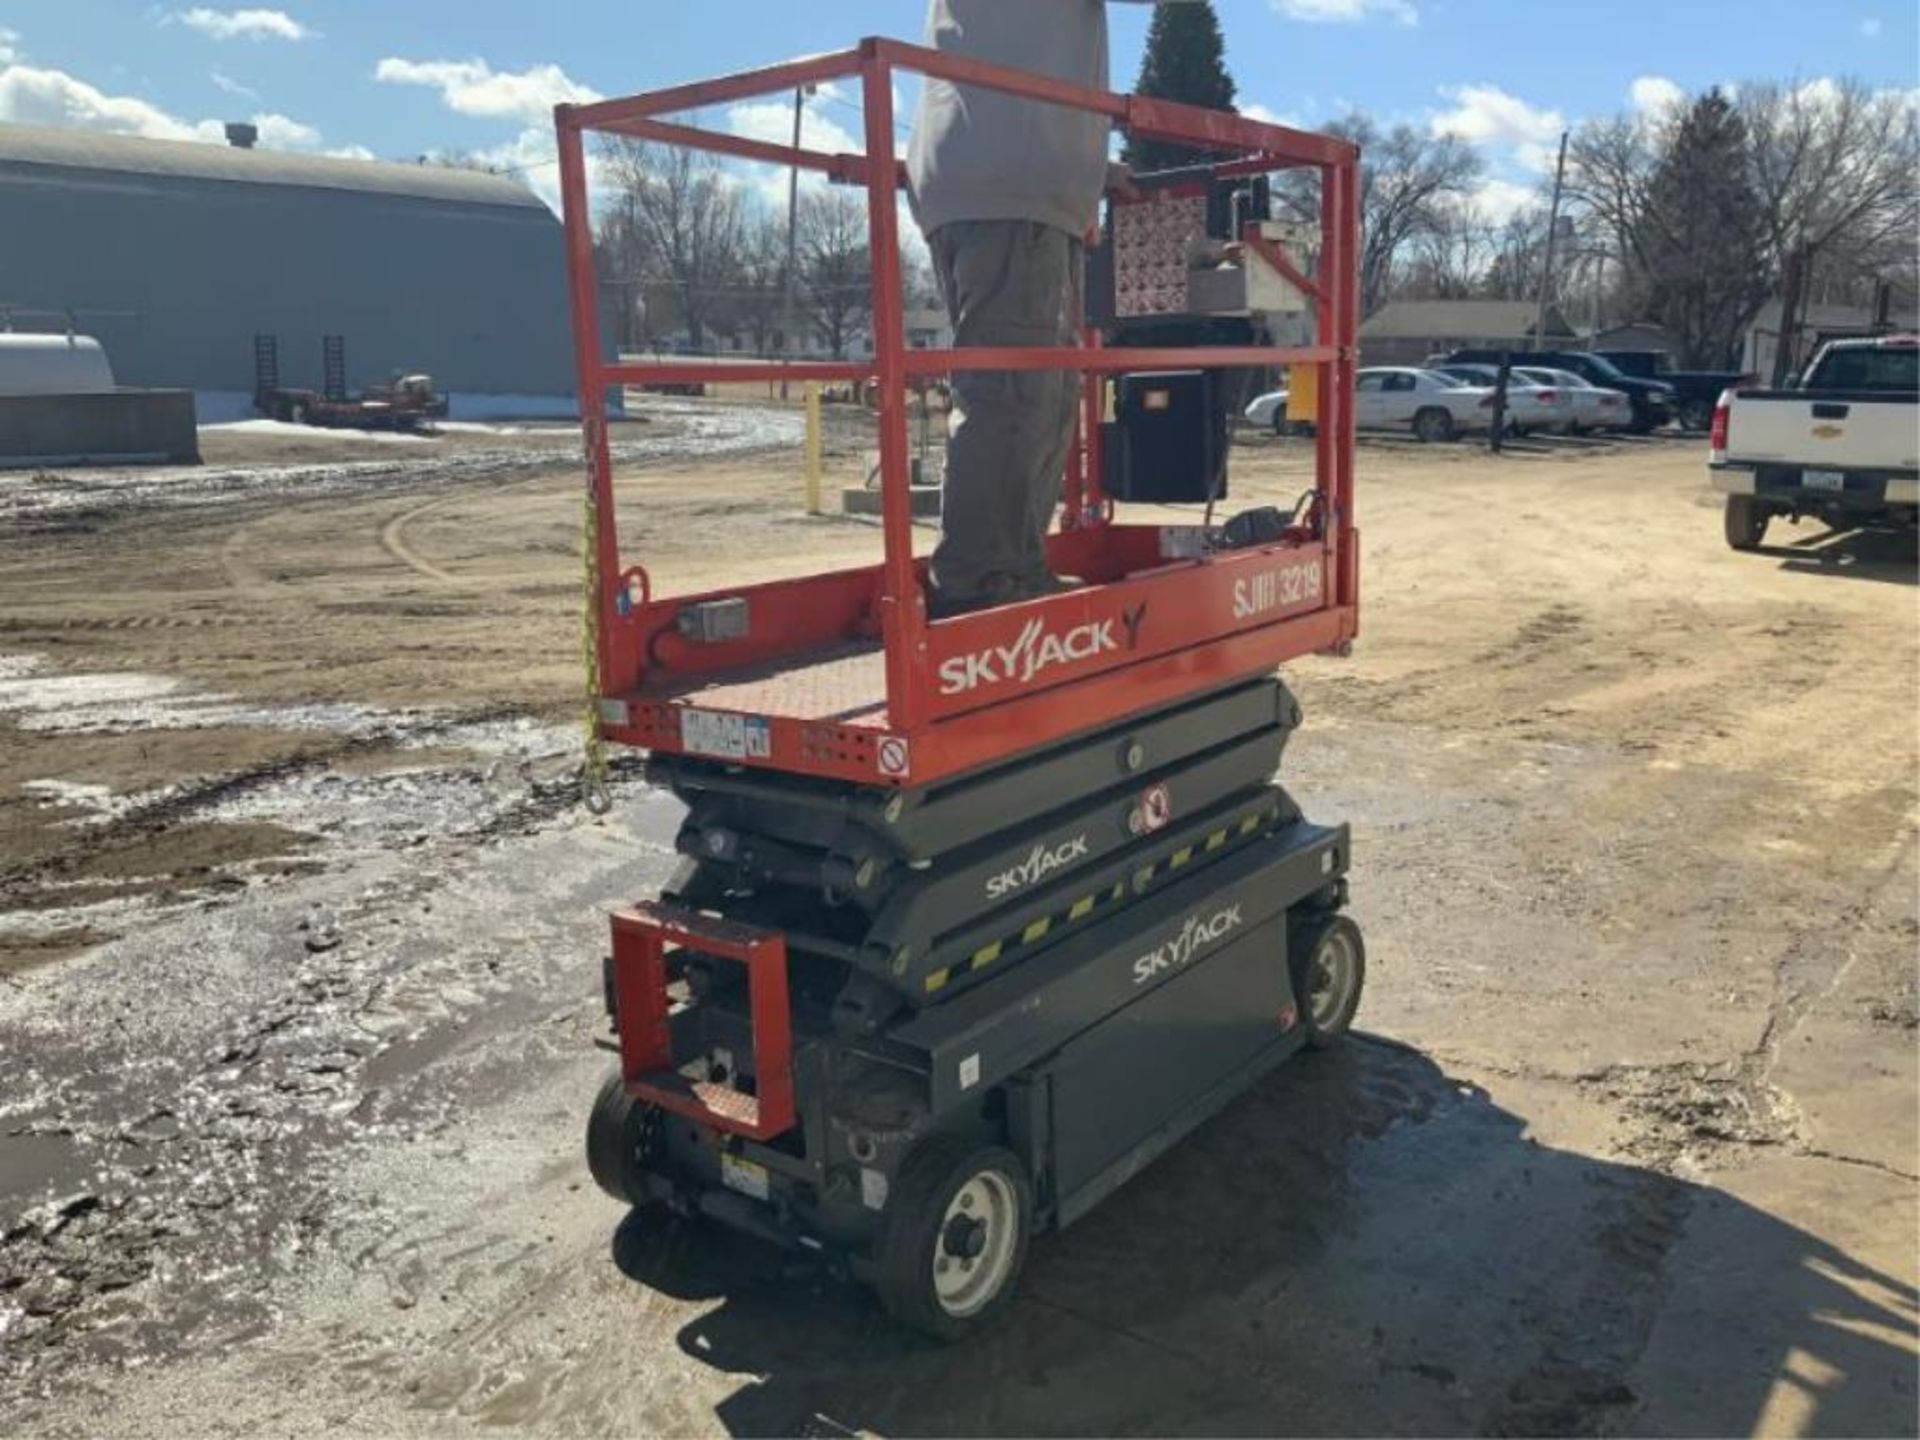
(1843,445)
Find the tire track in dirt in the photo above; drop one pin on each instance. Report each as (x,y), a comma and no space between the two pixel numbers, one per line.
(393,540)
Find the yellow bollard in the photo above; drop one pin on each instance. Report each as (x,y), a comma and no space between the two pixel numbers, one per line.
(813,447)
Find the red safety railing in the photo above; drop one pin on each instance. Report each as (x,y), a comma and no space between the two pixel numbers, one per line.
(842,674)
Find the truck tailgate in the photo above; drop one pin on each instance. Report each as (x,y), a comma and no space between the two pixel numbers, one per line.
(1835,431)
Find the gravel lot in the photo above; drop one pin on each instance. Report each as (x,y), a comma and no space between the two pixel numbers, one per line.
(299,965)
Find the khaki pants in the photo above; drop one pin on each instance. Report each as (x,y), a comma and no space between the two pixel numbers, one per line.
(1005,282)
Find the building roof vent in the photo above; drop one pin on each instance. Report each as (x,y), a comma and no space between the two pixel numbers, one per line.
(241,135)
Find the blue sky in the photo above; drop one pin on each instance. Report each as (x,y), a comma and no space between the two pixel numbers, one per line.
(387,79)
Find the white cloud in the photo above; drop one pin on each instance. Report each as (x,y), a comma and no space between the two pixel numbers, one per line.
(31,96)
(1870,28)
(247,24)
(225,82)
(350,152)
(1486,114)
(1268,116)
(1496,201)
(472,87)
(1348,12)
(1655,95)
(771,122)
(9,45)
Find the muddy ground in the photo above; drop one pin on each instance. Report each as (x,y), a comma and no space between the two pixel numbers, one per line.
(300,927)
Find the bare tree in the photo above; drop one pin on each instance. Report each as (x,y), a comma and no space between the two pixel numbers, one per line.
(754,304)
(1449,259)
(1610,166)
(1408,181)
(834,274)
(684,220)
(1836,168)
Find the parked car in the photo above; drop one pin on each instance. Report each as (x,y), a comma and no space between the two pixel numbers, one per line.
(1531,405)
(1843,445)
(1695,392)
(1593,407)
(1269,411)
(1650,400)
(1433,406)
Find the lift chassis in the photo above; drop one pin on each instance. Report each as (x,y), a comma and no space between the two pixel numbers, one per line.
(974,919)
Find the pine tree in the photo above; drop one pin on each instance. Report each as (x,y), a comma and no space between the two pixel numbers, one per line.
(1185,61)
(1702,237)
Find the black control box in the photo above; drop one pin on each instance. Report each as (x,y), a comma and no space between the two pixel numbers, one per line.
(1167,441)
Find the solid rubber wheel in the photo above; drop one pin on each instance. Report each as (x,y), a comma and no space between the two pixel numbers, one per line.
(1280,422)
(1329,967)
(617,1138)
(954,1237)
(1433,426)
(1746,522)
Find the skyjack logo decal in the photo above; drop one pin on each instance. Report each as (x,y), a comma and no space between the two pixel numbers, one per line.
(1036,650)
(1194,936)
(1040,863)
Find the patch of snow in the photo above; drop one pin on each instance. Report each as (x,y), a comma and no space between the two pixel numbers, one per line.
(259,426)
(475,427)
(98,800)
(116,702)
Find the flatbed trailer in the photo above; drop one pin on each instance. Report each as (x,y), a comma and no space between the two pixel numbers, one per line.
(976,916)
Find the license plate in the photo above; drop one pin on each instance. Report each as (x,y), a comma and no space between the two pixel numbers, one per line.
(731,737)
(743,1175)
(1823,480)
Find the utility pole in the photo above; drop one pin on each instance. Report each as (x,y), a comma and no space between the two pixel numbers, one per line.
(1546,260)
(793,211)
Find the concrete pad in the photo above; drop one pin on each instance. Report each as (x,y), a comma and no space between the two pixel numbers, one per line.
(925,501)
(1790,1307)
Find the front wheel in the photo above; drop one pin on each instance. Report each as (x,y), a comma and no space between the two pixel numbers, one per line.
(1280,423)
(1746,522)
(1328,961)
(954,1237)
(1433,427)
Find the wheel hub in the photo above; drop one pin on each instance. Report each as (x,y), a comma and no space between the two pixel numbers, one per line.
(978,1240)
(964,1238)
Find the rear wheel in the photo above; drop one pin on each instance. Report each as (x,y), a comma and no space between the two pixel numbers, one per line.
(620,1134)
(1746,522)
(1328,960)
(954,1238)
(1433,426)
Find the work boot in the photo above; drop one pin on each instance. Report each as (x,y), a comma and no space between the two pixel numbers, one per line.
(999,589)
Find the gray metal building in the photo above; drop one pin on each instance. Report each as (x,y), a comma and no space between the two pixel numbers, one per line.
(176,255)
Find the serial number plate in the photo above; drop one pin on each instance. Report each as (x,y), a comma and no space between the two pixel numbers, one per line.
(1823,480)
(731,737)
(743,1175)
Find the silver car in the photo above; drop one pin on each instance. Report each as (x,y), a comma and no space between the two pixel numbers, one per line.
(1594,408)
(1433,406)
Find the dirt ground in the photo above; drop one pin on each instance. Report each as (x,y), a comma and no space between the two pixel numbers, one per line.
(300,931)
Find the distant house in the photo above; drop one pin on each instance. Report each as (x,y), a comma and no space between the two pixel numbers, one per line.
(1407,332)
(927,328)
(1640,335)
(1818,324)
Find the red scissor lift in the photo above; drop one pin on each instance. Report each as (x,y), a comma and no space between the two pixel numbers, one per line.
(835,693)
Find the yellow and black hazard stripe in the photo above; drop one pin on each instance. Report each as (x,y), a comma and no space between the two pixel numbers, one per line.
(1032,933)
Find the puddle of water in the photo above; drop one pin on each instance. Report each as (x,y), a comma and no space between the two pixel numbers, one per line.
(504,762)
